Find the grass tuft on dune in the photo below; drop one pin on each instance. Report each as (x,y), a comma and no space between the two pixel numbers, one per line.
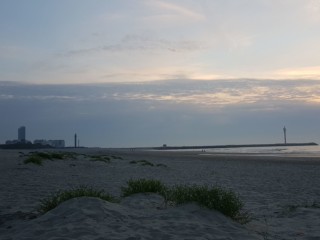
(38,157)
(217,198)
(33,159)
(143,185)
(56,199)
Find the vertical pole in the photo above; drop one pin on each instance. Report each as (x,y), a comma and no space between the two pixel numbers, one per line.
(285,134)
(75,140)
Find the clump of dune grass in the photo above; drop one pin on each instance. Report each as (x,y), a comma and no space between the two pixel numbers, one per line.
(142,162)
(117,157)
(143,186)
(33,159)
(217,198)
(147,163)
(161,165)
(38,157)
(56,199)
(42,155)
(105,159)
(57,156)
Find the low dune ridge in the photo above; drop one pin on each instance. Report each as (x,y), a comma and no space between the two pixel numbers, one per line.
(92,218)
(281,194)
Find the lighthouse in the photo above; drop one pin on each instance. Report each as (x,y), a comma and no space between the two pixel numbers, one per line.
(285,134)
(75,140)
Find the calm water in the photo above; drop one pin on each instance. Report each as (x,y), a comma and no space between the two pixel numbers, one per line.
(297,150)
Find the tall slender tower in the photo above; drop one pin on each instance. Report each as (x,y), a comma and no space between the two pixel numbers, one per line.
(22,134)
(75,140)
(285,134)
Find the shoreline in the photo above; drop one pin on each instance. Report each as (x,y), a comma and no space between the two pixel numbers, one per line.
(237,146)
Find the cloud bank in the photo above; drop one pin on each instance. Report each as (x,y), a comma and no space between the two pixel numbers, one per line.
(172,112)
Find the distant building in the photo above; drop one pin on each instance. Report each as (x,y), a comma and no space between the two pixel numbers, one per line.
(22,134)
(8,142)
(41,142)
(52,143)
(57,143)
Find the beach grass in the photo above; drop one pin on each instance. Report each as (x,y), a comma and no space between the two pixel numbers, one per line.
(142,162)
(105,159)
(51,155)
(33,159)
(217,198)
(42,155)
(54,200)
(161,165)
(142,186)
(38,157)
(146,163)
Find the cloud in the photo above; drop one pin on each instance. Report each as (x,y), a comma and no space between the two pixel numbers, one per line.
(263,95)
(143,43)
(134,113)
(220,93)
(312,8)
(178,10)
(310,72)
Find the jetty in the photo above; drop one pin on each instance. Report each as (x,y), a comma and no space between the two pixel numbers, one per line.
(235,146)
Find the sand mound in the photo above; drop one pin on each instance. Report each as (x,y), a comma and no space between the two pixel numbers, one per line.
(142,216)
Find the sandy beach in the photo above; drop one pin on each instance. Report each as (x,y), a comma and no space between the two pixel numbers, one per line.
(281,194)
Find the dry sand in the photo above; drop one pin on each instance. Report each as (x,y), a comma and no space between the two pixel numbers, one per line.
(278,192)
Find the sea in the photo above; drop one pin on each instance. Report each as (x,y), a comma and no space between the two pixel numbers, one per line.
(296,151)
(306,151)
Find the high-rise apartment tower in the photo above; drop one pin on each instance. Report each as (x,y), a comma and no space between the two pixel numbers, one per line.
(22,134)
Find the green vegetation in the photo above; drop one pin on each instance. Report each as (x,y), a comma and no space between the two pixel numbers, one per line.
(105,159)
(217,198)
(142,186)
(42,155)
(161,165)
(147,163)
(38,157)
(53,201)
(33,159)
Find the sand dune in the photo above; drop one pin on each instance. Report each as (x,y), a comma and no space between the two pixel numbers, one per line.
(279,194)
(91,218)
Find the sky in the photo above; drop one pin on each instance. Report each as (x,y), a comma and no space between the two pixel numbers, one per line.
(149,72)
